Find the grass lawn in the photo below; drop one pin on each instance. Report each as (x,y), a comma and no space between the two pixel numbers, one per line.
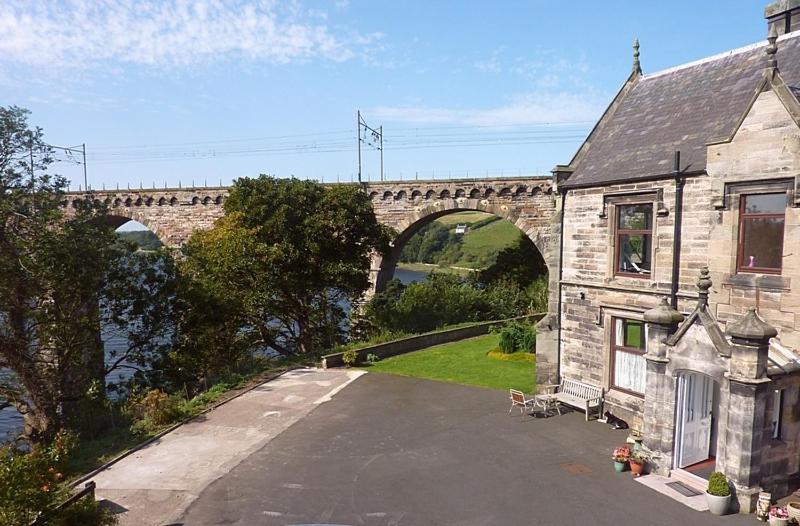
(463,362)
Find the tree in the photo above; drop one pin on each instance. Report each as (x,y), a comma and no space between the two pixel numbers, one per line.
(56,268)
(277,269)
(521,263)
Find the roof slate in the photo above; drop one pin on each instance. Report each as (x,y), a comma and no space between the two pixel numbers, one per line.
(683,108)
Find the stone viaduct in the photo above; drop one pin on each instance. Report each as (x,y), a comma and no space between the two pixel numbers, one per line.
(529,203)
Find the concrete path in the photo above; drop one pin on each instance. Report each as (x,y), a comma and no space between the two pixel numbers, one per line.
(156,484)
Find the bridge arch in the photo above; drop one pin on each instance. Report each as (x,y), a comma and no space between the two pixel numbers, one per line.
(384,266)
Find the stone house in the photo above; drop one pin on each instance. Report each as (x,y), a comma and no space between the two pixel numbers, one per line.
(679,273)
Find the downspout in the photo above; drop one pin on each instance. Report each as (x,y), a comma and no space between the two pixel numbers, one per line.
(676,235)
(563,193)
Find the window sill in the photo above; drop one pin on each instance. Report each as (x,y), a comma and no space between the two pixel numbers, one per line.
(761,281)
(625,393)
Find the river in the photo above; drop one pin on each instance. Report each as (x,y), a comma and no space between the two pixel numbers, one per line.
(11,421)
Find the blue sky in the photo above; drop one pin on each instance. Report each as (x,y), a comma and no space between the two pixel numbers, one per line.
(204,92)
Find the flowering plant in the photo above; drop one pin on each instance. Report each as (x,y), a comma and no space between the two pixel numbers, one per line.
(779,512)
(621,454)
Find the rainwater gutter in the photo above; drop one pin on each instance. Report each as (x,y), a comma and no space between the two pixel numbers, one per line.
(676,248)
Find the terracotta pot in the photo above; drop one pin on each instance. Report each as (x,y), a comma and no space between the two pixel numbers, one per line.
(637,468)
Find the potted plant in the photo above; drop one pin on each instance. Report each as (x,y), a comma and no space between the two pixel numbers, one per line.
(638,461)
(778,516)
(620,457)
(718,494)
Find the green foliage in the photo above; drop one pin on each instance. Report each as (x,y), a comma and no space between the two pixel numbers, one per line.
(372,358)
(718,485)
(443,300)
(274,272)
(143,239)
(350,357)
(66,274)
(520,263)
(516,336)
(420,307)
(33,482)
(154,409)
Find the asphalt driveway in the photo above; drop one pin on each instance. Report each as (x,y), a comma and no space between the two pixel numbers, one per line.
(390,450)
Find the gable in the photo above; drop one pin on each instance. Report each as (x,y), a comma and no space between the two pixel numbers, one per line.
(685,109)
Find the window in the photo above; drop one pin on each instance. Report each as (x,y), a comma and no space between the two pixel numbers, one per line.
(627,355)
(634,239)
(761,219)
(777,409)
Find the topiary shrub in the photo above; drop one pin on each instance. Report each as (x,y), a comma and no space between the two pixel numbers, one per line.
(718,485)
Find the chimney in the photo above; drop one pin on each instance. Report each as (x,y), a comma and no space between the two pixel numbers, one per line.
(783,15)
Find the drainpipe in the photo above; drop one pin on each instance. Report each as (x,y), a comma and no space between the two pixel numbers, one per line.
(676,236)
(563,193)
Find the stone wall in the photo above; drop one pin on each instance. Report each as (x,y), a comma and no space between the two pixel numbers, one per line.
(765,148)
(172,214)
(422,341)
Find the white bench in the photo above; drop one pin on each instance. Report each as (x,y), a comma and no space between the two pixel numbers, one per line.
(579,395)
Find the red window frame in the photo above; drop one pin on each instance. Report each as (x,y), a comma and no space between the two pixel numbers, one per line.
(619,232)
(743,217)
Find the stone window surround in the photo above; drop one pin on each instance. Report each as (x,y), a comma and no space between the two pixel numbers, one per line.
(731,203)
(607,315)
(611,200)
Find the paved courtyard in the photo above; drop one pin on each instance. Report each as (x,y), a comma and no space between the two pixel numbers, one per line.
(389,450)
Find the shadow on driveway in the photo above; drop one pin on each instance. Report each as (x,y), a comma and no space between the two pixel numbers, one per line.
(391,450)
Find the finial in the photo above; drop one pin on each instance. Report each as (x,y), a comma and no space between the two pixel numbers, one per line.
(751,327)
(772,48)
(637,67)
(704,284)
(664,314)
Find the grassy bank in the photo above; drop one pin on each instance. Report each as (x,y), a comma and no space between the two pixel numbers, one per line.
(464,362)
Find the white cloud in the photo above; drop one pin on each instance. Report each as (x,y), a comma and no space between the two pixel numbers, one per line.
(162,33)
(522,109)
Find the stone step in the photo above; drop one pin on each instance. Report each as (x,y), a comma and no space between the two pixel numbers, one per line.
(690,479)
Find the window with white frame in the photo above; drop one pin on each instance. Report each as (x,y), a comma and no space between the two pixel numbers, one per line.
(628,366)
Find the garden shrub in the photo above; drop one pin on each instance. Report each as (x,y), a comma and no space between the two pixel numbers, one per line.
(32,481)
(718,485)
(516,336)
(350,357)
(154,409)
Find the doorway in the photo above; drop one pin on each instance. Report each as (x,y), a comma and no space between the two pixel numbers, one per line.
(695,419)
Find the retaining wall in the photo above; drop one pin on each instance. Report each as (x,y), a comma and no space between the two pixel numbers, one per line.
(421,341)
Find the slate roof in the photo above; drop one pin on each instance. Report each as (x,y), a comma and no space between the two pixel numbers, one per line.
(682,108)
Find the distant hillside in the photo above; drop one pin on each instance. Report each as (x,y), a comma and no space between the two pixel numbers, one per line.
(437,243)
(144,238)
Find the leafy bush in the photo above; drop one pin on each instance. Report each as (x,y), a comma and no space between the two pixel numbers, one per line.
(718,485)
(32,482)
(372,358)
(153,409)
(516,336)
(350,357)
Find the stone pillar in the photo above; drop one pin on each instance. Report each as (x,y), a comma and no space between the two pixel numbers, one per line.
(747,385)
(659,396)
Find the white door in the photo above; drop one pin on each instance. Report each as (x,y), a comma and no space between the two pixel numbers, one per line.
(695,396)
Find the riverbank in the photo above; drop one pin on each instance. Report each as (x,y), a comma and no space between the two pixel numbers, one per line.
(427,268)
